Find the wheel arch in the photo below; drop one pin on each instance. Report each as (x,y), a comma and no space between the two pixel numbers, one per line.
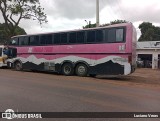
(67,61)
(81,62)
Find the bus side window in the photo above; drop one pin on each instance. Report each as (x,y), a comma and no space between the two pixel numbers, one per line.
(80,37)
(15,41)
(119,35)
(99,36)
(43,40)
(111,36)
(91,36)
(64,38)
(46,39)
(34,40)
(72,37)
(57,38)
(49,39)
(26,40)
(23,41)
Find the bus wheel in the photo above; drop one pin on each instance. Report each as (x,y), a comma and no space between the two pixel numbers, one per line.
(81,70)
(67,69)
(18,66)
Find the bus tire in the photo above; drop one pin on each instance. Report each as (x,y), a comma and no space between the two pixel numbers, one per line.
(18,66)
(81,70)
(67,69)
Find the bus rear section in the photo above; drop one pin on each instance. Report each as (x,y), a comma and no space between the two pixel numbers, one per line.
(97,51)
(134,47)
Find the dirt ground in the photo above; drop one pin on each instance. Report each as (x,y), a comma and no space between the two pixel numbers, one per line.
(140,77)
(39,91)
(148,76)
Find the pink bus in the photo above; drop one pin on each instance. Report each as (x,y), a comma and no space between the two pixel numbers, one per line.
(107,50)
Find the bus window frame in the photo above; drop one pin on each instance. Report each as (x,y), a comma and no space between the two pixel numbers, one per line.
(63,33)
(69,37)
(77,43)
(17,41)
(46,36)
(34,38)
(27,42)
(124,35)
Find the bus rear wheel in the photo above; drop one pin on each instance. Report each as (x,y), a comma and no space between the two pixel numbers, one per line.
(81,70)
(18,66)
(67,69)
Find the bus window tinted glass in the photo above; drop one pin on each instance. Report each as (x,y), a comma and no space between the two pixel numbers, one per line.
(49,39)
(111,35)
(64,38)
(119,35)
(26,40)
(23,41)
(57,39)
(46,39)
(72,38)
(80,37)
(43,40)
(99,36)
(34,40)
(91,36)
(14,41)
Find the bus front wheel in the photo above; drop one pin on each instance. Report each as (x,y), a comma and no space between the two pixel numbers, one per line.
(81,70)
(18,66)
(67,69)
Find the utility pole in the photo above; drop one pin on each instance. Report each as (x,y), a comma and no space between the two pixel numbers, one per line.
(97,13)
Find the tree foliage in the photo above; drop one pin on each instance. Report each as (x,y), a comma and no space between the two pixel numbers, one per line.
(90,26)
(118,22)
(13,11)
(149,32)
(4,35)
(111,23)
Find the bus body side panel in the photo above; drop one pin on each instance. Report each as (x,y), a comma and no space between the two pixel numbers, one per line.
(107,68)
(97,63)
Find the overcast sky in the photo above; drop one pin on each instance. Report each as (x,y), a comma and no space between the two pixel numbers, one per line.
(71,14)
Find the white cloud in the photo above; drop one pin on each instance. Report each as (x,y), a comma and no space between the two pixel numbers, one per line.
(67,15)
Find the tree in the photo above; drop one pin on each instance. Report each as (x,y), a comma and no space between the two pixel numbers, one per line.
(149,32)
(118,22)
(13,11)
(90,26)
(111,23)
(4,35)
